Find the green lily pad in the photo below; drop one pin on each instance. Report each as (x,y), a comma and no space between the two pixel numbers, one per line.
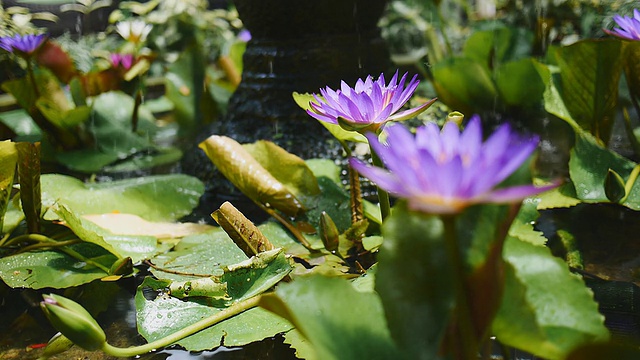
(337,320)
(54,269)
(154,198)
(545,310)
(243,280)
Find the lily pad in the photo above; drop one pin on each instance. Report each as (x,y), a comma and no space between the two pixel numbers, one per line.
(546,310)
(154,198)
(54,269)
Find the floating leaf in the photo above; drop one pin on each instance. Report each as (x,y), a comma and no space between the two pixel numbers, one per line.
(154,198)
(137,248)
(128,224)
(338,321)
(54,269)
(243,280)
(546,310)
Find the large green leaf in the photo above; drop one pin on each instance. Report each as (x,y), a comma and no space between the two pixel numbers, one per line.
(154,198)
(589,165)
(54,269)
(137,247)
(519,83)
(244,171)
(164,315)
(464,84)
(110,124)
(497,46)
(338,321)
(415,282)
(546,310)
(589,75)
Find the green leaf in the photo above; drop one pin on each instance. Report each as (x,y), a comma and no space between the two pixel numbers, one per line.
(30,192)
(338,321)
(8,161)
(589,165)
(287,168)
(498,46)
(243,280)
(519,83)
(61,116)
(154,198)
(546,310)
(238,165)
(464,84)
(54,269)
(184,86)
(22,124)
(522,225)
(414,282)
(589,75)
(110,124)
(137,247)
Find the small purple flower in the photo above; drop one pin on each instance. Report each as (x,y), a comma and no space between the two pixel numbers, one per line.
(445,171)
(244,35)
(629,27)
(123,60)
(22,44)
(369,105)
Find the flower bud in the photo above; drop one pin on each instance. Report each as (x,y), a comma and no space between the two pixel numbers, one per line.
(329,232)
(614,187)
(73,321)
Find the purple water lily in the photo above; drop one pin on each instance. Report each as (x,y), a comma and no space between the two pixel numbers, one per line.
(629,27)
(367,106)
(445,171)
(123,60)
(22,44)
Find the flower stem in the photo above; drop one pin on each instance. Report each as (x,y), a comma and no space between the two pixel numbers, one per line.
(227,313)
(383,196)
(464,322)
(32,78)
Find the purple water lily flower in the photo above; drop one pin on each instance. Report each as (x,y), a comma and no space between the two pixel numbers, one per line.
(367,106)
(124,60)
(22,44)
(629,27)
(445,171)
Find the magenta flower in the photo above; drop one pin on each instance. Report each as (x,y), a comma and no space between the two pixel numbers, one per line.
(445,171)
(629,27)
(369,105)
(22,44)
(123,60)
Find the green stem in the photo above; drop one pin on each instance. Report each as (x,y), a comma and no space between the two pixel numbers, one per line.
(227,313)
(357,210)
(32,78)
(383,196)
(630,182)
(468,345)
